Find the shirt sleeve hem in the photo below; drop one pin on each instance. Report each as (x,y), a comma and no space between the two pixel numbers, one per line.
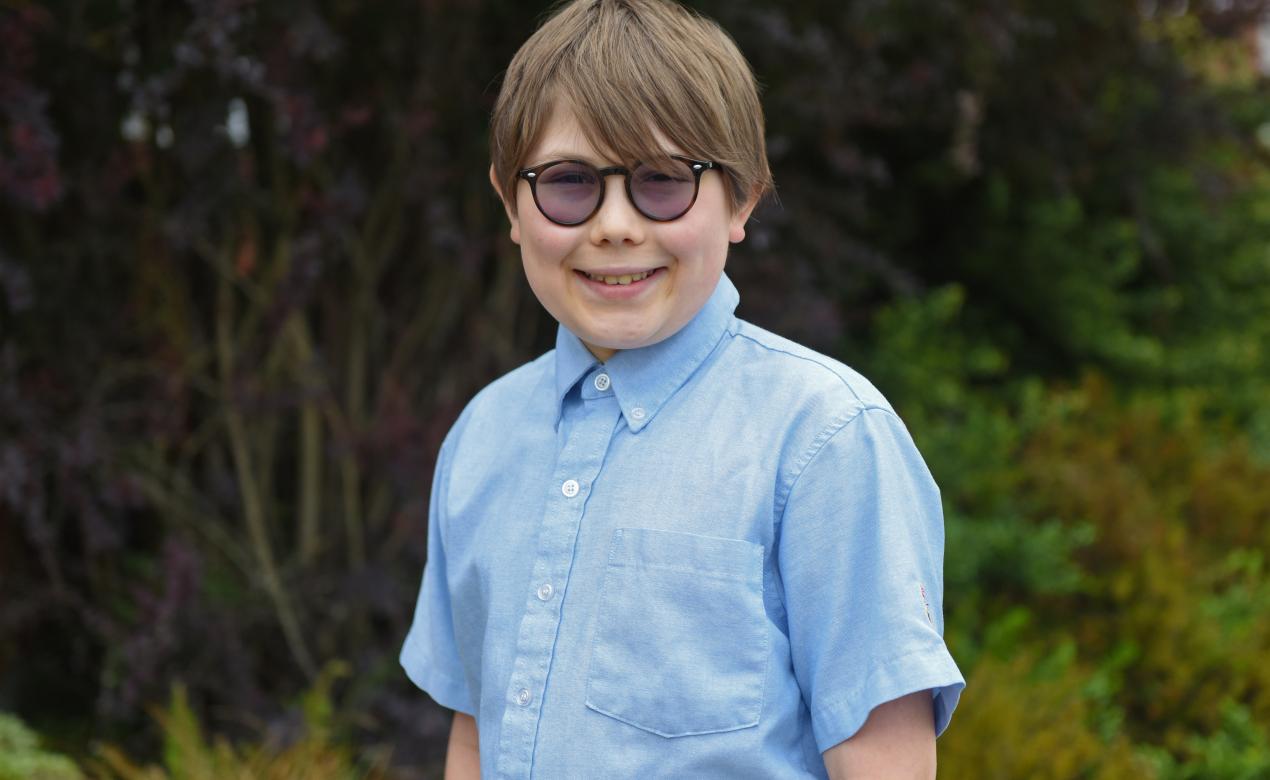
(919,670)
(445,690)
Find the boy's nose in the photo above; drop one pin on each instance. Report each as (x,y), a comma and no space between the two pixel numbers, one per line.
(617,221)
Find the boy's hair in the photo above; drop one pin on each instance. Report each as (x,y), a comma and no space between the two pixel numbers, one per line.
(627,68)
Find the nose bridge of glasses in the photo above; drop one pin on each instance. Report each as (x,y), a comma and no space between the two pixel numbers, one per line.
(618,213)
(614,170)
(618,198)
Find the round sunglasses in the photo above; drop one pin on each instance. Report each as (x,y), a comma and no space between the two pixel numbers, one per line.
(569,192)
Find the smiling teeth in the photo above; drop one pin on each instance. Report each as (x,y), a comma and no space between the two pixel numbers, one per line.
(623,279)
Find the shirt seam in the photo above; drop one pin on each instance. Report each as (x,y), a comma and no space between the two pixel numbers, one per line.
(698,572)
(842,704)
(556,394)
(428,665)
(425,666)
(442,488)
(804,358)
(817,445)
(679,382)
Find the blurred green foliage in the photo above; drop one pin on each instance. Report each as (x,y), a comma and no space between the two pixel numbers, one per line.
(251,269)
(22,758)
(1105,568)
(188,755)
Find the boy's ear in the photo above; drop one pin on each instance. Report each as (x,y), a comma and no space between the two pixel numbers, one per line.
(736,225)
(511,217)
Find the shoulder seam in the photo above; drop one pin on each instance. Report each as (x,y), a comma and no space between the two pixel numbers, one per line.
(814,449)
(771,348)
(514,374)
(441,484)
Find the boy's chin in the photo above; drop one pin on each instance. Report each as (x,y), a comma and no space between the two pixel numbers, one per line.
(611,343)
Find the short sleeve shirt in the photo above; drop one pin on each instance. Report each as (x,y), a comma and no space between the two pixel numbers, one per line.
(710,557)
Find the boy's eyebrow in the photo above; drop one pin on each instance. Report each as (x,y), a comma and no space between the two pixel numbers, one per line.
(560,154)
(551,155)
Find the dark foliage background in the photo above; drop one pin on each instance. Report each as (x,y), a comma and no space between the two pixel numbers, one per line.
(251,269)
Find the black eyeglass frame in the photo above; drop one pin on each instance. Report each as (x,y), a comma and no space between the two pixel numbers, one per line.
(697,167)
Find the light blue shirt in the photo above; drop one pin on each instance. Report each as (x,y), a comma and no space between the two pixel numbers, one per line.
(707,558)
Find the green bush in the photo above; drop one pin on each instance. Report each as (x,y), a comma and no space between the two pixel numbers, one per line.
(1105,568)
(1022,717)
(22,758)
(189,755)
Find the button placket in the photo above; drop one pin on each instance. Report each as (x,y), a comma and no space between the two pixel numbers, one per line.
(580,459)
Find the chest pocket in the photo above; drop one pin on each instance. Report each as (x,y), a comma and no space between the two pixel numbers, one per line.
(681,643)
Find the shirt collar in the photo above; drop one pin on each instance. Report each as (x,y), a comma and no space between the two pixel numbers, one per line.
(644,379)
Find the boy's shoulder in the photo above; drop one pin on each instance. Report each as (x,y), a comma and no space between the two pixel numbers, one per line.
(765,364)
(504,401)
(794,371)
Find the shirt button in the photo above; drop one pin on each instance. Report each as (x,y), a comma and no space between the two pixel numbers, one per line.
(544,591)
(523,697)
(602,382)
(637,413)
(569,488)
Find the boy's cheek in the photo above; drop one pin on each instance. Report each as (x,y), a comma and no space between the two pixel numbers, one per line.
(545,241)
(691,241)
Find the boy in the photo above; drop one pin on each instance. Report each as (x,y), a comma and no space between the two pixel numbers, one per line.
(676,545)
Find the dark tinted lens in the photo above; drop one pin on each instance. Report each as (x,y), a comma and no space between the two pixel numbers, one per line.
(568,192)
(663,190)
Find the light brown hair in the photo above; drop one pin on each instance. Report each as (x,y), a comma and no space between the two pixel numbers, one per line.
(626,68)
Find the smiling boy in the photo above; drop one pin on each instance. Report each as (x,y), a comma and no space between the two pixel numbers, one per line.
(676,545)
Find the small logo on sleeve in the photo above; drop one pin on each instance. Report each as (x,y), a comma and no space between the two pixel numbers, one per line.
(926,604)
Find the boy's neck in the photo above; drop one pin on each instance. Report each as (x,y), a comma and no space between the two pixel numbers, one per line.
(602,354)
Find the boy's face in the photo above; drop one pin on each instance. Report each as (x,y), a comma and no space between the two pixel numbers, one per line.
(686,256)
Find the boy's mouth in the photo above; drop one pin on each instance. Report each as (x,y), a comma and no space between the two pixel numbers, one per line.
(623,279)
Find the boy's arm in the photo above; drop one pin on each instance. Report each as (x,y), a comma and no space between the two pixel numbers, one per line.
(463,755)
(897,741)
